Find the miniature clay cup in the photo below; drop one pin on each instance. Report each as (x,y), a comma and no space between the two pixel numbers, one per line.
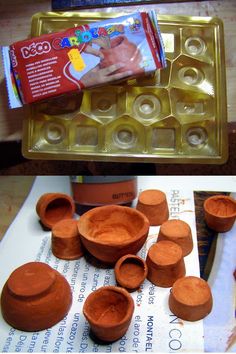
(190,298)
(111,231)
(220,212)
(35,297)
(130,271)
(165,263)
(153,204)
(177,231)
(53,207)
(65,238)
(109,311)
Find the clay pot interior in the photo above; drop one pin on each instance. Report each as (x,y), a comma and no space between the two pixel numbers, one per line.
(111,231)
(130,271)
(109,311)
(29,293)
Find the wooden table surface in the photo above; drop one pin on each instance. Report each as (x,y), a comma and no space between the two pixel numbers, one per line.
(15,24)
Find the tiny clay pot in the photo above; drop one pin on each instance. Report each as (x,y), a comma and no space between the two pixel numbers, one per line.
(165,263)
(35,297)
(190,298)
(66,242)
(111,231)
(220,212)
(130,271)
(177,231)
(53,207)
(109,311)
(153,204)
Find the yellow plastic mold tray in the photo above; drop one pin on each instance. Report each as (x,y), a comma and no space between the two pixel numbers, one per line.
(178,115)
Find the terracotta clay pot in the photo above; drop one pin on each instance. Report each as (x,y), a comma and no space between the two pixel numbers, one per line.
(153,204)
(122,51)
(35,297)
(130,272)
(165,263)
(177,231)
(53,207)
(109,311)
(66,242)
(190,298)
(220,212)
(109,232)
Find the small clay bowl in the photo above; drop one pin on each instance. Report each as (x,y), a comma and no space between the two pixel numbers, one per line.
(190,298)
(35,297)
(177,231)
(66,242)
(109,232)
(109,311)
(220,212)
(165,263)
(153,204)
(130,271)
(53,207)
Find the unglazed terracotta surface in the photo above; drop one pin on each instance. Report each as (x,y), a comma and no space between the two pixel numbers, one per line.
(35,297)
(109,232)
(190,298)
(109,311)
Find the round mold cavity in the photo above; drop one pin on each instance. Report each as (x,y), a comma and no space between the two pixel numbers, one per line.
(104,105)
(196,136)
(54,133)
(125,137)
(147,106)
(195,46)
(190,76)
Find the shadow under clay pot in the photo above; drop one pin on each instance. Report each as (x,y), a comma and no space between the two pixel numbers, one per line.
(109,232)
(130,271)
(153,204)
(35,297)
(66,242)
(220,212)
(165,263)
(53,207)
(190,298)
(179,232)
(109,311)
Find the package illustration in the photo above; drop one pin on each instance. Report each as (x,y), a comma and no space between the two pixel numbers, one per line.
(86,56)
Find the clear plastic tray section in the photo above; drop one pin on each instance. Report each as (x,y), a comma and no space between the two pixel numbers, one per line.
(177,115)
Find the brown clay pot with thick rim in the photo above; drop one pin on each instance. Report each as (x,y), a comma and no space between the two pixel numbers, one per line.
(220,212)
(53,207)
(153,204)
(109,311)
(190,298)
(66,242)
(165,263)
(130,271)
(177,231)
(35,297)
(109,232)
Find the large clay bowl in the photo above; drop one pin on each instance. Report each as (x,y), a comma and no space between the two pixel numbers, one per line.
(109,232)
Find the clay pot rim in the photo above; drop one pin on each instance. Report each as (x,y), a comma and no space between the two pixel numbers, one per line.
(130,307)
(112,207)
(123,259)
(215,197)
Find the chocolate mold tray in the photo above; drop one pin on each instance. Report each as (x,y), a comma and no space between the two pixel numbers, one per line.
(176,115)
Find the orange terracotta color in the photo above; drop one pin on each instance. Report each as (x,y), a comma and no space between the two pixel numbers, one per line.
(35,297)
(109,311)
(109,232)
(177,231)
(66,242)
(165,263)
(130,271)
(220,212)
(190,298)
(153,204)
(53,207)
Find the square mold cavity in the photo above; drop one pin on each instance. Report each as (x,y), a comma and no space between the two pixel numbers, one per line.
(163,138)
(86,136)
